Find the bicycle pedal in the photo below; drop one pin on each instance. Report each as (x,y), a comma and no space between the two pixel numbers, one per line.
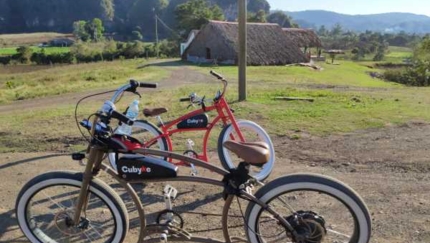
(170,192)
(78,156)
(163,238)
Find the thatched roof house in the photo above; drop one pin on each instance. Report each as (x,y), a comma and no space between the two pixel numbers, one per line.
(306,38)
(191,36)
(267,45)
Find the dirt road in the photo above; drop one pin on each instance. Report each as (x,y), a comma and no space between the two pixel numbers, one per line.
(388,167)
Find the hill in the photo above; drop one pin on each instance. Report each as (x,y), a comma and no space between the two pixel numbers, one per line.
(386,22)
(120,16)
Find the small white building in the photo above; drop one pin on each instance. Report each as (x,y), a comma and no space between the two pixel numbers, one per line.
(190,39)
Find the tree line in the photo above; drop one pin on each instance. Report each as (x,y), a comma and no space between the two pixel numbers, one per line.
(120,16)
(365,43)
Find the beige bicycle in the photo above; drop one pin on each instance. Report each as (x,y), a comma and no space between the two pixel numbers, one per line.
(70,206)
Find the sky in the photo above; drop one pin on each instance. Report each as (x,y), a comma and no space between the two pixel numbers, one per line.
(354,6)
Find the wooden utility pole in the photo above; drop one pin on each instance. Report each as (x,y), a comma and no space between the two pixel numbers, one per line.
(242,48)
(156,32)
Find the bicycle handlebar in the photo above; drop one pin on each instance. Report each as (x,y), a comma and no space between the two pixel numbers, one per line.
(193,98)
(121,118)
(224,82)
(132,88)
(148,85)
(217,75)
(109,106)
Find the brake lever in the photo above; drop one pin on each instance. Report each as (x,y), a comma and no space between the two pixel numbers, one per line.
(202,103)
(138,94)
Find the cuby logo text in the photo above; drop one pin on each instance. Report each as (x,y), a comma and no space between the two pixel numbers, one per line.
(136,170)
(194,121)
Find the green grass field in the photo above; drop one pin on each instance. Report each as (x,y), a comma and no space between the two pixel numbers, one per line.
(398,54)
(48,50)
(13,40)
(346,99)
(394,54)
(346,74)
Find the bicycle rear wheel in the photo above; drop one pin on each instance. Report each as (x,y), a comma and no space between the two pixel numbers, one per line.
(319,208)
(144,132)
(252,132)
(46,204)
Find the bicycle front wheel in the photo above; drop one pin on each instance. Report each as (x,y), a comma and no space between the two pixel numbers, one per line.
(251,132)
(319,208)
(46,205)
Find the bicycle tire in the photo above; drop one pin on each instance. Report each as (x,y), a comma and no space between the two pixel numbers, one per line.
(319,184)
(225,155)
(48,180)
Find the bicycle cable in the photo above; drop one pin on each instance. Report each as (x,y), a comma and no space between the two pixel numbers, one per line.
(76,110)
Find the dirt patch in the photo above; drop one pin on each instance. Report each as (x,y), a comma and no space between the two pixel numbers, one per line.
(389,148)
(388,167)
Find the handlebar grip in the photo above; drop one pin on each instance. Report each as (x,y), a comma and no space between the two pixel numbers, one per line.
(148,85)
(122,118)
(216,75)
(184,99)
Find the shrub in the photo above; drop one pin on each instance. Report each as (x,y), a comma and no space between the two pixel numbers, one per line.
(418,75)
(134,49)
(5,60)
(169,48)
(43,59)
(24,54)
(88,52)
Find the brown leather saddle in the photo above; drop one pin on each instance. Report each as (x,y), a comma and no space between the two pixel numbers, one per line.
(154,112)
(256,154)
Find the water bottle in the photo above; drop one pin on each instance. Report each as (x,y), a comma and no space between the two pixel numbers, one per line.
(132,113)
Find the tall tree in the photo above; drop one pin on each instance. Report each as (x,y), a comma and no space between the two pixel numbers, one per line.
(95,29)
(259,17)
(108,8)
(85,31)
(322,31)
(337,30)
(279,17)
(142,14)
(256,5)
(79,30)
(196,13)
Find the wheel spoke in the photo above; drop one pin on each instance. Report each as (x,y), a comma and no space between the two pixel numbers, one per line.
(286,204)
(50,198)
(338,233)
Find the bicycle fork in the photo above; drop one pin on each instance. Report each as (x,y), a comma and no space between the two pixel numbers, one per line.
(94,161)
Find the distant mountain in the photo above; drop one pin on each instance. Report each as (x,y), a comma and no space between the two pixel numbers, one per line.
(387,22)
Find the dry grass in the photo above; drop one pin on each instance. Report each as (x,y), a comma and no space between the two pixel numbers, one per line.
(30,38)
(23,82)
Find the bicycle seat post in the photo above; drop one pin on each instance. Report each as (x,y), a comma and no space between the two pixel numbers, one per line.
(160,121)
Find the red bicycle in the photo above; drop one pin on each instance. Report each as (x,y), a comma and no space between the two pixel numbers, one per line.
(159,137)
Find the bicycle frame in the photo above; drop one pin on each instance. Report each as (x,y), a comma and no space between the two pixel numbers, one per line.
(94,165)
(225,115)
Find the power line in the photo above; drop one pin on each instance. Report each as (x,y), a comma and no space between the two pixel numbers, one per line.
(166,26)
